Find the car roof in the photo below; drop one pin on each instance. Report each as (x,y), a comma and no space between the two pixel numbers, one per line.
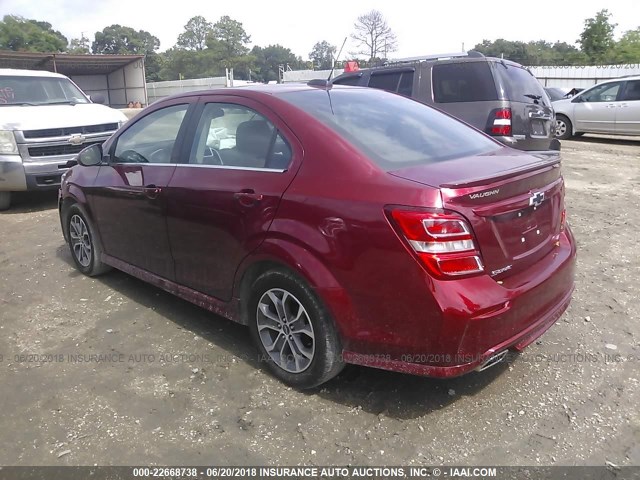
(432,61)
(14,72)
(255,91)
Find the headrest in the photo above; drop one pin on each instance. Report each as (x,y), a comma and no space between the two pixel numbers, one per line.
(254,137)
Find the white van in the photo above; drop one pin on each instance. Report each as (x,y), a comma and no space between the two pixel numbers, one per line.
(45,120)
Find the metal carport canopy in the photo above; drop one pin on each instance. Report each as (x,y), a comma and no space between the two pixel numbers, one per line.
(119,78)
(67,64)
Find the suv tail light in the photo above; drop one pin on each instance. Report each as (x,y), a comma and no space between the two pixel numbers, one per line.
(500,124)
(442,242)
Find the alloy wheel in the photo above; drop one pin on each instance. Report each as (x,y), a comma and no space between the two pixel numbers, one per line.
(80,240)
(285,330)
(561,128)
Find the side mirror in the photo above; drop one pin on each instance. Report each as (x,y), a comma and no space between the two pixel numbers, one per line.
(90,156)
(98,98)
(577,99)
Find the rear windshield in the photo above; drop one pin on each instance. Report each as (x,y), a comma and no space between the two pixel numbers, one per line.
(519,84)
(463,82)
(393,131)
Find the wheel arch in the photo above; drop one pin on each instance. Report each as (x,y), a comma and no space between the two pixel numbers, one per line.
(300,261)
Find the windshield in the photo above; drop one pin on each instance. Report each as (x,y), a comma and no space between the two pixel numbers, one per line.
(393,131)
(16,90)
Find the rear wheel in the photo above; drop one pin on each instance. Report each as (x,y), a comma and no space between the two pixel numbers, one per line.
(293,331)
(563,127)
(84,244)
(5,200)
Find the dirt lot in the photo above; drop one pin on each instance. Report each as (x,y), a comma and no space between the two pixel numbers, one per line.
(183,387)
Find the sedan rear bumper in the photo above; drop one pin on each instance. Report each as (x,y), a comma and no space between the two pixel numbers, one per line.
(476,321)
(470,362)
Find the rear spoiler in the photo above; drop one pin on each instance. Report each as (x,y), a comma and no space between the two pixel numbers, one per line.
(547,159)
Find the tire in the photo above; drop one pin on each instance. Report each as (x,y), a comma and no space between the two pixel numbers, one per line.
(578,134)
(307,349)
(84,243)
(564,128)
(5,200)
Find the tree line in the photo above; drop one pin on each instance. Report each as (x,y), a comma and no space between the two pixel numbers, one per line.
(207,48)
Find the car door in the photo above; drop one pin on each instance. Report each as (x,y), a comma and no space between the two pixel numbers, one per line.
(222,200)
(127,198)
(628,111)
(595,109)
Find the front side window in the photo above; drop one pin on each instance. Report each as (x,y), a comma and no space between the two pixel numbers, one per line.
(236,136)
(607,92)
(463,82)
(151,139)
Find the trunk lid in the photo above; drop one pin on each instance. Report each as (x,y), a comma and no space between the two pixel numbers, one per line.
(513,202)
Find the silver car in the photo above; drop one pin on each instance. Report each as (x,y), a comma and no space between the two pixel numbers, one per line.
(611,108)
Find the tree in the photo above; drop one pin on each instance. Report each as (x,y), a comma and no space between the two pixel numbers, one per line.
(229,38)
(79,46)
(195,34)
(269,59)
(501,48)
(596,39)
(627,49)
(22,35)
(117,39)
(532,53)
(374,36)
(322,55)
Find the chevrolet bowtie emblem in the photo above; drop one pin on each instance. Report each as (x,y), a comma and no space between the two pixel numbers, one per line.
(536,199)
(77,139)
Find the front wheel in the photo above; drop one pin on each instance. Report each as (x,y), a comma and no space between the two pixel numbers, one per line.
(293,331)
(564,129)
(84,244)
(5,200)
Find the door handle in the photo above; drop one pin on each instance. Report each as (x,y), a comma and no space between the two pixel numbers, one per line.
(152,191)
(248,198)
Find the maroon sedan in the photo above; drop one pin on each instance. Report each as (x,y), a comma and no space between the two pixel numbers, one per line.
(339,224)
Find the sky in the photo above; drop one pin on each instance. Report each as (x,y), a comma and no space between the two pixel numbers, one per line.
(421,26)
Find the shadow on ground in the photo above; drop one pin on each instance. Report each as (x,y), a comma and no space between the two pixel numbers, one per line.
(375,391)
(626,141)
(28,202)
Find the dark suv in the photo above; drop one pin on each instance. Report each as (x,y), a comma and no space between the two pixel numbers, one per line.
(499,97)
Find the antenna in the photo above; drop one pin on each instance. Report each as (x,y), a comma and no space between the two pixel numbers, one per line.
(336,59)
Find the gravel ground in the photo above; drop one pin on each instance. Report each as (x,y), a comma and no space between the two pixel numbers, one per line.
(170,383)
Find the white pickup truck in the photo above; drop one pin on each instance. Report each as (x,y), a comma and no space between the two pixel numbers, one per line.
(45,120)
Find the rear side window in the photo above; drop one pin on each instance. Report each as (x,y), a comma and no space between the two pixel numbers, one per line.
(400,82)
(392,131)
(519,84)
(632,90)
(353,80)
(463,82)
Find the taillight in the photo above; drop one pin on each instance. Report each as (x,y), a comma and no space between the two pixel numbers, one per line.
(501,124)
(442,241)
